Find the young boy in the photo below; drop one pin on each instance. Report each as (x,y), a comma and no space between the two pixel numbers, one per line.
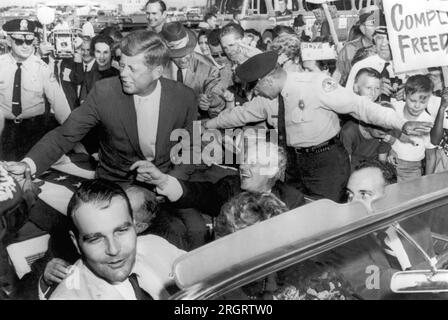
(363,141)
(418,100)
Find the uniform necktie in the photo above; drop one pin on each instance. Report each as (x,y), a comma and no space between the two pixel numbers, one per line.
(17,91)
(281,122)
(139,293)
(85,68)
(385,74)
(180,76)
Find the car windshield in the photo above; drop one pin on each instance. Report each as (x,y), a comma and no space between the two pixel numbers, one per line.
(333,251)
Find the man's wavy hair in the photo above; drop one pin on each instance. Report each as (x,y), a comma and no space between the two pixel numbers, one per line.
(246,209)
(287,44)
(99,192)
(148,42)
(387,169)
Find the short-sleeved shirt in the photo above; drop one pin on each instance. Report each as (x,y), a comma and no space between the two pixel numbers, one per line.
(312,104)
(37,83)
(359,147)
(407,151)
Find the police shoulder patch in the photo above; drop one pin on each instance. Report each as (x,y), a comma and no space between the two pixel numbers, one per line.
(329,85)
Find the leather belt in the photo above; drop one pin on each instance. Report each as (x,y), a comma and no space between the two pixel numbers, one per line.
(21,120)
(323,147)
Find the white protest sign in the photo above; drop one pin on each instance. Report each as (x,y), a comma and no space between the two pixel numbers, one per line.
(418,35)
(317,51)
(441,5)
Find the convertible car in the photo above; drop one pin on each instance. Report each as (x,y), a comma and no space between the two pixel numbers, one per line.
(291,245)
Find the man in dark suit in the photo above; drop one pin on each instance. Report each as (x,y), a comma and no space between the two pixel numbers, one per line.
(258,173)
(136,112)
(369,262)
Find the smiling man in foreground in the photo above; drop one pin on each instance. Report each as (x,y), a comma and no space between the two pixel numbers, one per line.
(114,264)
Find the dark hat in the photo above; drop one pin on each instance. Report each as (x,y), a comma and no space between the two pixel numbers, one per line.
(22,26)
(257,67)
(370,14)
(298,21)
(181,40)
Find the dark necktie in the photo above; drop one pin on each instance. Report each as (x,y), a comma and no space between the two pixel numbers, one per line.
(17,91)
(180,76)
(281,122)
(85,68)
(385,74)
(56,70)
(139,293)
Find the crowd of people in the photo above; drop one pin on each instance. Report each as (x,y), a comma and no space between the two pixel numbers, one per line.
(340,129)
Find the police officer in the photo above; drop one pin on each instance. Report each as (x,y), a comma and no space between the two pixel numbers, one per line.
(25,81)
(305,107)
(369,19)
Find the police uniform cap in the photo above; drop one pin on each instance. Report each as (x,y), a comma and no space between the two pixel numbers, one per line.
(23,26)
(257,67)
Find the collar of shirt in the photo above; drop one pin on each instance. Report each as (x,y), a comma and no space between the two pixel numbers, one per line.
(26,63)
(153,95)
(126,290)
(184,71)
(89,65)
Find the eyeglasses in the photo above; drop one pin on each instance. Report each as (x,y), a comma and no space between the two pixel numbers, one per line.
(217,55)
(20,42)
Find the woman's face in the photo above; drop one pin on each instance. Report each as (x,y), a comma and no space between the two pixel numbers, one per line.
(203,44)
(103,55)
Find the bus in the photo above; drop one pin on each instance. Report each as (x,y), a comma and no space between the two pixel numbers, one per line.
(262,14)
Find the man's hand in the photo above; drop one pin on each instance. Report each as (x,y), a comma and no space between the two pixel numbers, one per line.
(147,172)
(17,170)
(406,139)
(392,158)
(400,93)
(386,87)
(204,102)
(55,272)
(45,49)
(417,128)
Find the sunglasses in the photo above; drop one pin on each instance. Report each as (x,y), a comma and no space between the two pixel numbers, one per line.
(20,42)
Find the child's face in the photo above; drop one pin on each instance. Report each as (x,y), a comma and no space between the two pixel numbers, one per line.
(416,103)
(368,87)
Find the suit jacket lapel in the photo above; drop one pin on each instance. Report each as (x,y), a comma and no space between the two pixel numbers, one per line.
(128,117)
(165,118)
(190,74)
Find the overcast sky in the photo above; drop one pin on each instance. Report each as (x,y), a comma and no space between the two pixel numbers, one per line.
(4,3)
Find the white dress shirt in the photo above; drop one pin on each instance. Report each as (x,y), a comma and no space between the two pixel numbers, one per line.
(37,83)
(89,65)
(147,109)
(126,290)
